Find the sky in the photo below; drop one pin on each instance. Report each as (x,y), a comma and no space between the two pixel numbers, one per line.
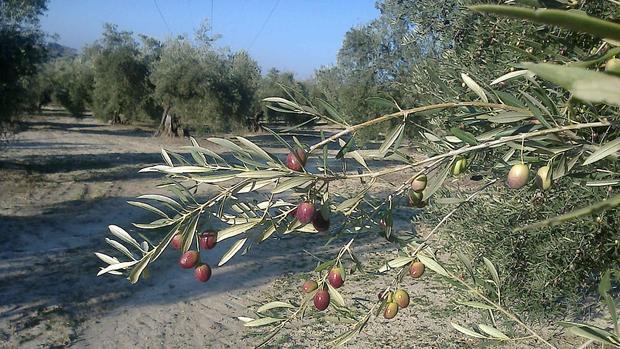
(292,35)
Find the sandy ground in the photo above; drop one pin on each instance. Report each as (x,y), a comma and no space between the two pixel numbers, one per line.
(63,180)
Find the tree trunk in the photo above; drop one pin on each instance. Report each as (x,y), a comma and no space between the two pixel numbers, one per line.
(116,118)
(169,125)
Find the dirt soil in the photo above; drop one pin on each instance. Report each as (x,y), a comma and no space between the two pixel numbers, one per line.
(64,180)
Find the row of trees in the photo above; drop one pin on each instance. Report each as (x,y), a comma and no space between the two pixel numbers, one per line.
(178,82)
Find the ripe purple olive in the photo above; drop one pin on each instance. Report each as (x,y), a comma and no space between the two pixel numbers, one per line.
(304,212)
(419,183)
(321,300)
(335,277)
(518,176)
(202,272)
(543,180)
(416,269)
(177,241)
(416,198)
(391,309)
(309,286)
(401,297)
(188,259)
(296,160)
(319,222)
(208,240)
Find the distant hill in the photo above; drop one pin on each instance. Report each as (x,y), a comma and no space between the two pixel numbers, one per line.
(56,50)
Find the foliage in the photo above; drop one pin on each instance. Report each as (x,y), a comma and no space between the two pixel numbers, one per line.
(22,50)
(122,90)
(205,89)
(553,269)
(69,82)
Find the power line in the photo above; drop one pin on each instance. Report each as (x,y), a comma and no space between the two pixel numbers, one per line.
(264,24)
(162,17)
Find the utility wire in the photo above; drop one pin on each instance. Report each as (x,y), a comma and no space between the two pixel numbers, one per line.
(162,17)
(212,21)
(260,31)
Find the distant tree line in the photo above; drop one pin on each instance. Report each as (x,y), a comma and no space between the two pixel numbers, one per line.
(178,83)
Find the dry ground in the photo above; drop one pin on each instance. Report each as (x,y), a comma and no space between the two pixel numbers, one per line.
(63,180)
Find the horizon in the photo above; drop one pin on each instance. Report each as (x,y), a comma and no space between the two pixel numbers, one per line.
(312,31)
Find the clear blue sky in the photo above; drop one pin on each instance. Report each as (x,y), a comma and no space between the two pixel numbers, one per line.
(299,36)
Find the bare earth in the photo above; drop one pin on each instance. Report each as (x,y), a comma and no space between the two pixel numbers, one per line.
(63,181)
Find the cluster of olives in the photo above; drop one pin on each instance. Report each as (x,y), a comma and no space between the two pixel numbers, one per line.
(416,192)
(394,301)
(400,298)
(305,211)
(321,297)
(191,259)
(519,175)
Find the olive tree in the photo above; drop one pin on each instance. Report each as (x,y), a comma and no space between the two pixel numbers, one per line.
(121,86)
(23,50)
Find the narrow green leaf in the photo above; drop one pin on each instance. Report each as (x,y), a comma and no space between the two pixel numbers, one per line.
(436,181)
(235,230)
(508,76)
(432,265)
(492,270)
(467,331)
(149,208)
(162,198)
(232,251)
(508,117)
(577,21)
(335,296)
(400,261)
(160,223)
(381,102)
(350,144)
(107,259)
(332,112)
(464,136)
(604,151)
(166,157)
(467,263)
(260,174)
(274,305)
(123,235)
(262,322)
(226,144)
(584,84)
(118,266)
(254,149)
(290,183)
(592,332)
(493,332)
(474,87)
(137,270)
